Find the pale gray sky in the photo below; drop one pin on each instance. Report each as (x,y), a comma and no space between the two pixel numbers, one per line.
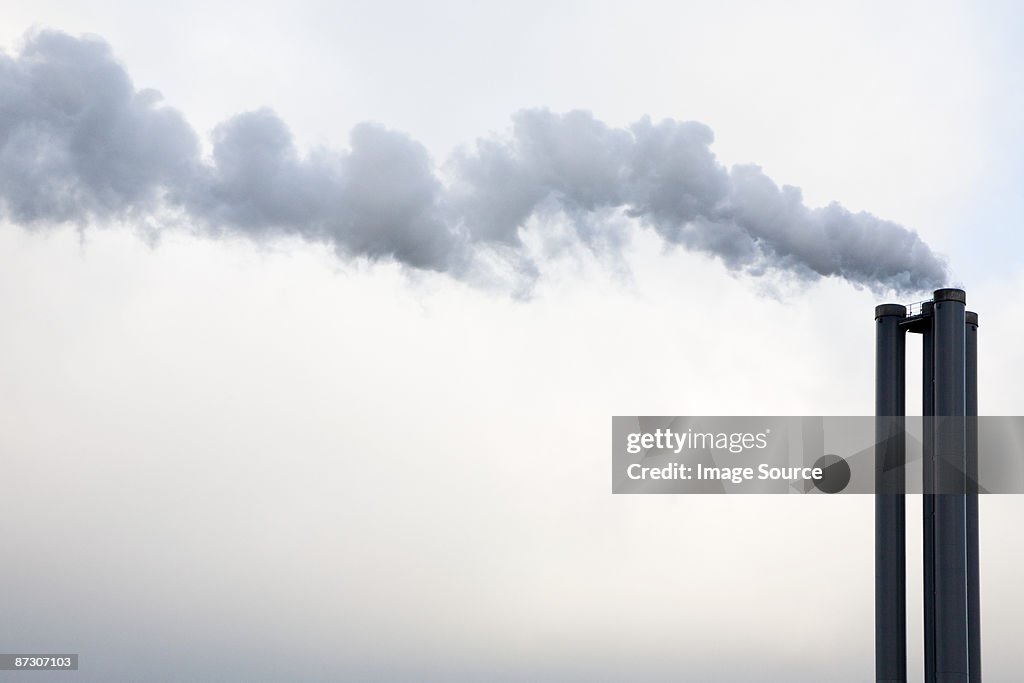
(231,460)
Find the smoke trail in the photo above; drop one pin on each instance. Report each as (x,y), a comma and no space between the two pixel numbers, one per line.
(79,143)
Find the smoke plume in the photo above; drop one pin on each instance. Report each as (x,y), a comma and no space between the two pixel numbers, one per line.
(78,143)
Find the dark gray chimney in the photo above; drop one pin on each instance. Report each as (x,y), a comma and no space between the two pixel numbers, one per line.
(952,636)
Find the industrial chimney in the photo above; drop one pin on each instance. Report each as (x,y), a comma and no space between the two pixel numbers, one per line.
(952,637)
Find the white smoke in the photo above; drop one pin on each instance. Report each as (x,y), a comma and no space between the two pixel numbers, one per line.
(79,143)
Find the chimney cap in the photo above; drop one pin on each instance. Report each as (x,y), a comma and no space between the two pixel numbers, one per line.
(951,294)
(971,318)
(890,309)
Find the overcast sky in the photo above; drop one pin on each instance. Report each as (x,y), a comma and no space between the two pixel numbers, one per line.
(240,452)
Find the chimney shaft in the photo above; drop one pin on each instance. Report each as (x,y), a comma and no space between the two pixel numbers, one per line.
(952,636)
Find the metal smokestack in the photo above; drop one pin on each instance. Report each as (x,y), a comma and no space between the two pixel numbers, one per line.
(890,508)
(973,578)
(950,465)
(928,477)
(952,635)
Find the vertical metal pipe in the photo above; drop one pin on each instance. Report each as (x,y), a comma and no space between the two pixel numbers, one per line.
(928,488)
(973,582)
(890,510)
(951,656)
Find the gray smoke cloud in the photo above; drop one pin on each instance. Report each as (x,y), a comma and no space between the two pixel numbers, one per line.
(79,143)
